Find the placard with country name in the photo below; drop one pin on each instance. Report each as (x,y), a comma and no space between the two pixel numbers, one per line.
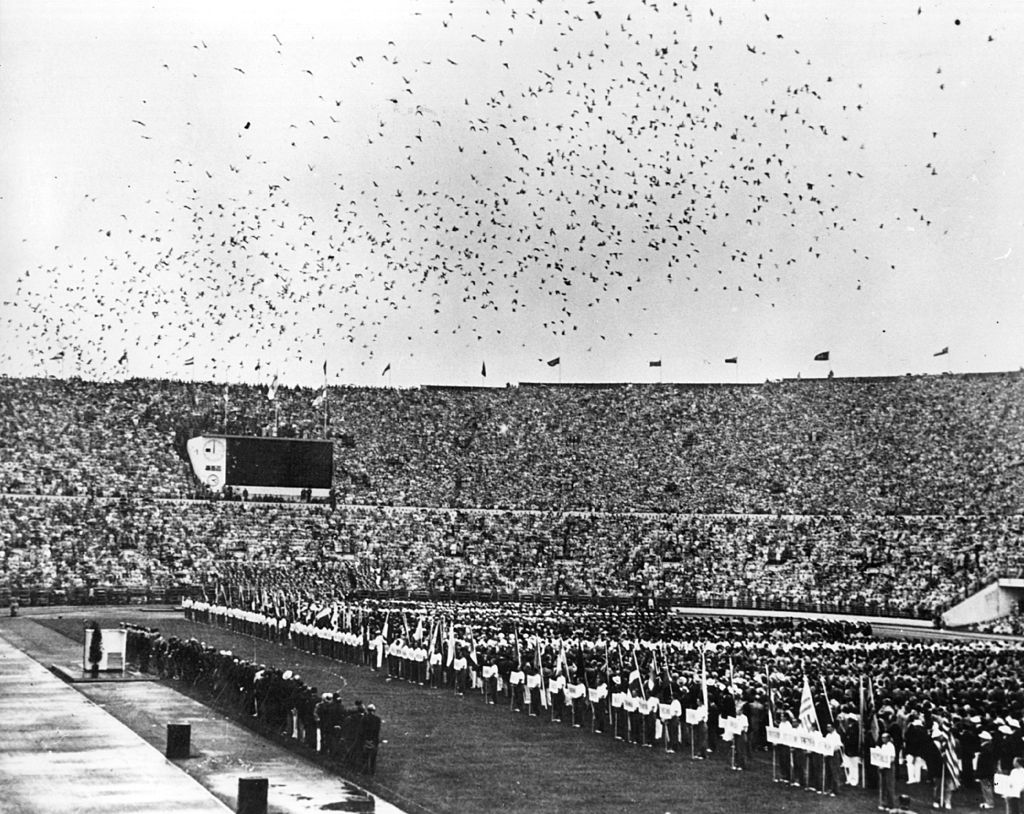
(798,739)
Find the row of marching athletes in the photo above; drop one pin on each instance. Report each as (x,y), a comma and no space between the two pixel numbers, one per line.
(656,691)
(654,712)
(606,695)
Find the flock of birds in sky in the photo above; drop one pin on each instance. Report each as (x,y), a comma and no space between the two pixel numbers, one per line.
(531,169)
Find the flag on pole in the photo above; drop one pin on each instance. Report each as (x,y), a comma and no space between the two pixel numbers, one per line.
(188,362)
(942,352)
(540,672)
(634,675)
(656,363)
(942,735)
(387,367)
(869,714)
(483,369)
(555,362)
(821,357)
(272,390)
(123,359)
(325,368)
(704,680)
(382,641)
(732,679)
(828,704)
(807,715)
(732,360)
(320,399)
(562,662)
(431,649)
(57,357)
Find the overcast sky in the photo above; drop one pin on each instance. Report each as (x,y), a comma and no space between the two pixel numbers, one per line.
(438,185)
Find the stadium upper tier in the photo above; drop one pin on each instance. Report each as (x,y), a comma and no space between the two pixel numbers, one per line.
(909,445)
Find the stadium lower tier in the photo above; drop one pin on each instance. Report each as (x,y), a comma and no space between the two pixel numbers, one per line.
(890,565)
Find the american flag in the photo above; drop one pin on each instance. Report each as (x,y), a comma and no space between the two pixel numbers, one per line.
(946,743)
(807,715)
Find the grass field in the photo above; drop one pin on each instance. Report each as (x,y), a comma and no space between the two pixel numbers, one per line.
(443,753)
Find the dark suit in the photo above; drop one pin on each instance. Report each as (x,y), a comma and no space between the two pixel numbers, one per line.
(369,735)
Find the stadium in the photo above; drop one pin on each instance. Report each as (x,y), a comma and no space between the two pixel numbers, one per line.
(701,485)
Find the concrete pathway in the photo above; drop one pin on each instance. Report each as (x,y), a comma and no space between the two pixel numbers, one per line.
(61,752)
(113,734)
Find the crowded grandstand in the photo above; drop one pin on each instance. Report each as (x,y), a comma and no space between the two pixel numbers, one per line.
(888,497)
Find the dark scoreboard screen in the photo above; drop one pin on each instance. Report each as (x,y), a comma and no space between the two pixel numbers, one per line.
(279,462)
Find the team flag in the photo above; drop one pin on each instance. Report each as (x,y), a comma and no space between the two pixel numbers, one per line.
(540,672)
(123,359)
(320,399)
(431,649)
(562,662)
(387,367)
(272,390)
(807,715)
(555,362)
(382,639)
(942,735)
(869,723)
(634,675)
(821,357)
(732,360)
(483,369)
(828,703)
(656,363)
(942,352)
(704,680)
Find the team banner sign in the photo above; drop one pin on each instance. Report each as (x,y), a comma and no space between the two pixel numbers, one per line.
(798,739)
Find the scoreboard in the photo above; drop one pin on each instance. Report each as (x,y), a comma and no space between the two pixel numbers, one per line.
(268,466)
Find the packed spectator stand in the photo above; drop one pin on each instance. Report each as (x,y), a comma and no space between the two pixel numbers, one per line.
(889,495)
